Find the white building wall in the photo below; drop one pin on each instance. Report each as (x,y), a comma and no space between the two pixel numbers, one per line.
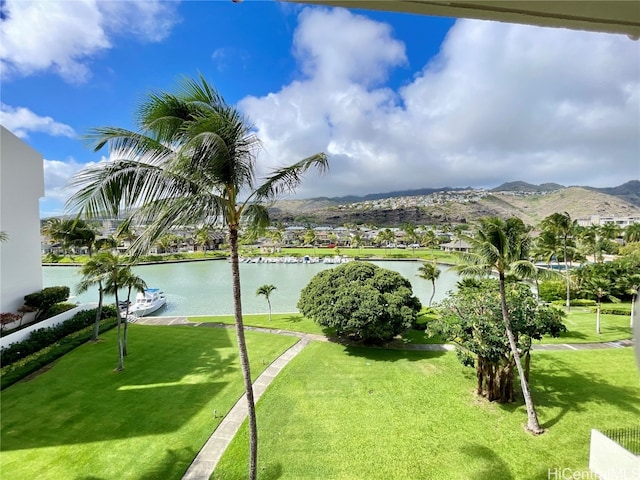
(21,186)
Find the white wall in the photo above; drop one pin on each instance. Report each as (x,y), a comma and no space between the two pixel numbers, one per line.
(21,186)
(610,461)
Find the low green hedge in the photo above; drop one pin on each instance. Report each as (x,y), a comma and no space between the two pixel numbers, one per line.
(19,369)
(576,302)
(43,337)
(611,311)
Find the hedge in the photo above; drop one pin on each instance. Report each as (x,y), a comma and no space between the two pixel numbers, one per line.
(43,337)
(15,372)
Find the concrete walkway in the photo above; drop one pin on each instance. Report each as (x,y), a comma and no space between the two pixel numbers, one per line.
(207,459)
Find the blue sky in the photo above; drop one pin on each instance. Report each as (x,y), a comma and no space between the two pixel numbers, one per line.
(397,101)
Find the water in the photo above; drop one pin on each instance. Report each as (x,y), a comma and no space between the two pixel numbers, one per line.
(204,288)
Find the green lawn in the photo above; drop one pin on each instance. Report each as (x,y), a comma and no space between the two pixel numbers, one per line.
(83,420)
(293,322)
(353,413)
(581,328)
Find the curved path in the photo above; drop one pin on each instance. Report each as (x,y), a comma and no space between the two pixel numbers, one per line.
(205,462)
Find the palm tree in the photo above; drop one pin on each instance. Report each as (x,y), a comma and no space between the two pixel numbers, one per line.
(632,233)
(131,281)
(503,246)
(599,286)
(94,273)
(630,283)
(4,236)
(563,227)
(266,290)
(193,160)
(430,272)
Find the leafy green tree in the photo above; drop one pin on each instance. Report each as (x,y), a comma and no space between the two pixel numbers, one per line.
(192,160)
(504,246)
(563,227)
(46,298)
(4,236)
(309,237)
(385,237)
(430,272)
(361,301)
(266,291)
(471,318)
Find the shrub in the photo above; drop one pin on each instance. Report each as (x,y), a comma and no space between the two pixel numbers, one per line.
(44,337)
(45,299)
(551,290)
(59,308)
(611,311)
(576,302)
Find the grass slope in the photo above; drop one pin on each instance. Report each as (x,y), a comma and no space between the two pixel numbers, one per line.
(352,413)
(82,420)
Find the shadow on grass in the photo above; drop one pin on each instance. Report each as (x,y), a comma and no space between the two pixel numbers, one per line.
(83,400)
(271,471)
(382,354)
(494,467)
(561,387)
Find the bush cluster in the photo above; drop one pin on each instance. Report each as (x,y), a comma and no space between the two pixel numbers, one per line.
(44,337)
(45,299)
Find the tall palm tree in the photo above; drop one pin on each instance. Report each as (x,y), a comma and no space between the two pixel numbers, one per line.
(266,290)
(192,160)
(430,272)
(563,227)
(600,287)
(632,233)
(503,246)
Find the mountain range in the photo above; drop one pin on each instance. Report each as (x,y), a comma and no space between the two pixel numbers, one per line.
(455,205)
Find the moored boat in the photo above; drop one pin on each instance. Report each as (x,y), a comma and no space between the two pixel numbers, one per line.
(148,302)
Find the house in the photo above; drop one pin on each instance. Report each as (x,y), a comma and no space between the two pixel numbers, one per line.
(21,186)
(456,246)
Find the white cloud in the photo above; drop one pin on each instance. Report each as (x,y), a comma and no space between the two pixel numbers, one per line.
(500,102)
(63,36)
(56,177)
(21,121)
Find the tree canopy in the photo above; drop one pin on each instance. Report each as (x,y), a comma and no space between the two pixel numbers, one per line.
(361,301)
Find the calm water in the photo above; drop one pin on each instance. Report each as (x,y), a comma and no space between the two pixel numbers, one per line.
(204,288)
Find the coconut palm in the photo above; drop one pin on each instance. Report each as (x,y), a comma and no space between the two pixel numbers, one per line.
(632,233)
(130,281)
(266,290)
(600,287)
(430,272)
(503,246)
(93,274)
(563,227)
(192,161)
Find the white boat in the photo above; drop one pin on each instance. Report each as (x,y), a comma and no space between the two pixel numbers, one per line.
(148,302)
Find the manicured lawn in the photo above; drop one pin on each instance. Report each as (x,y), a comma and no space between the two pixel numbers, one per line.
(279,321)
(353,413)
(581,326)
(82,420)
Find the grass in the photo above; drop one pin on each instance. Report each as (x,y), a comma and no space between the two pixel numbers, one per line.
(293,322)
(352,413)
(581,328)
(82,420)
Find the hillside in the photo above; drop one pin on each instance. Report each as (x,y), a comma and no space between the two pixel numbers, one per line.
(532,207)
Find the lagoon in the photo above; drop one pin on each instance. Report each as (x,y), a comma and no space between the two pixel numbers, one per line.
(204,287)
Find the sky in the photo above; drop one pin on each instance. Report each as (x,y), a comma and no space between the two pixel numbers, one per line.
(397,101)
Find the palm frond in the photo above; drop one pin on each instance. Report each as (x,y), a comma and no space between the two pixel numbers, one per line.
(286,179)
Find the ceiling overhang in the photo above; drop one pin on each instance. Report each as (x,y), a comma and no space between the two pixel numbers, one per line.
(612,16)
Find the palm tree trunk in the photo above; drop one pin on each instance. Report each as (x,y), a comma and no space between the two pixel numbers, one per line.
(633,303)
(244,357)
(269,303)
(433,292)
(126,324)
(532,418)
(566,272)
(96,326)
(598,317)
(120,355)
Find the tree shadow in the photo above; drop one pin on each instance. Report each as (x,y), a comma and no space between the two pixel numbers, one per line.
(383,354)
(559,386)
(173,464)
(494,467)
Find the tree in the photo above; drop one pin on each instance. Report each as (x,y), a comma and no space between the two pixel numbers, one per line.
(430,272)
(266,290)
(503,246)
(114,275)
(70,233)
(93,273)
(561,225)
(630,283)
(4,236)
(600,287)
(361,301)
(192,161)
(471,318)
(632,233)
(130,281)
